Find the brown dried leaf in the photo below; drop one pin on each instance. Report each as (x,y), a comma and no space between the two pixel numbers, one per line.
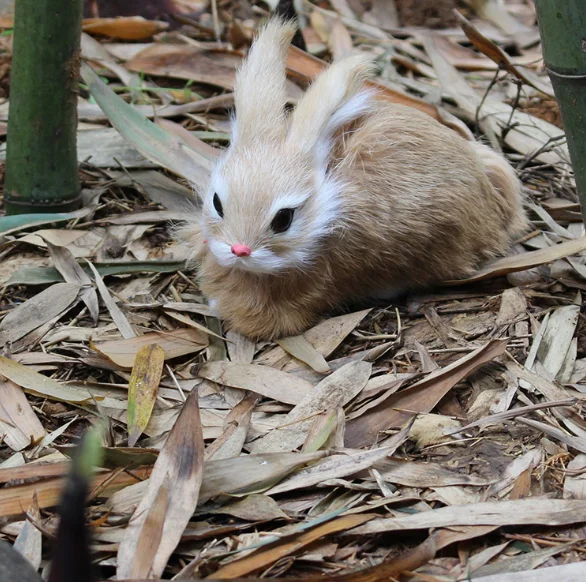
(285,546)
(14,500)
(525,261)
(126,28)
(186,62)
(496,54)
(176,476)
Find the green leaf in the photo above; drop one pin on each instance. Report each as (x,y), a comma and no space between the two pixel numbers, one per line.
(153,142)
(11,224)
(49,275)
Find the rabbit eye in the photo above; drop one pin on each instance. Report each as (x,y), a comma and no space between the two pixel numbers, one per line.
(282,220)
(218,206)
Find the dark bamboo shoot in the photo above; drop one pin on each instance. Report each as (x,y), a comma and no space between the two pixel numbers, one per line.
(41,160)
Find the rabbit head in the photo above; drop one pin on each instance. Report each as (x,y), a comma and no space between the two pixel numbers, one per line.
(272,196)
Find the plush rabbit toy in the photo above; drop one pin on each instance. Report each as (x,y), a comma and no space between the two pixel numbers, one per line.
(348,197)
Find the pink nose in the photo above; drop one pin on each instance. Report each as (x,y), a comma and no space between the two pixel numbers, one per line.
(241,250)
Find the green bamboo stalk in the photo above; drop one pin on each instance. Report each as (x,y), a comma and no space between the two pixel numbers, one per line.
(41,157)
(562,24)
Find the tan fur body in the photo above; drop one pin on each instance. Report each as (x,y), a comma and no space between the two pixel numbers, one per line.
(416,204)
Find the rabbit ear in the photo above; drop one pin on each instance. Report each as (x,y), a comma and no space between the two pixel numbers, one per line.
(259,91)
(334,99)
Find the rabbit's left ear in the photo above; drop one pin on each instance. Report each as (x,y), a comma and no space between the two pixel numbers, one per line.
(335,98)
(259,91)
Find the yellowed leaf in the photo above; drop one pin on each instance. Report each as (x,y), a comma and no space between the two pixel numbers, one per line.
(143,388)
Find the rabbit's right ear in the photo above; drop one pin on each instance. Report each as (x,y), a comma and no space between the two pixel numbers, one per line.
(335,98)
(259,91)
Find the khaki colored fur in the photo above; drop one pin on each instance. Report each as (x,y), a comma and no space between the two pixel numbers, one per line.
(403,202)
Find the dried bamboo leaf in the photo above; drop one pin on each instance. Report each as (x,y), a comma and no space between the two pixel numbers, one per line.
(127,28)
(416,474)
(557,338)
(255,507)
(40,385)
(119,318)
(143,388)
(263,380)
(35,312)
(300,348)
(14,500)
(567,572)
(333,391)
(334,467)
(174,343)
(238,475)
(19,425)
(285,546)
(240,348)
(176,477)
(29,542)
(500,57)
(420,397)
(525,261)
(530,511)
(229,444)
(65,263)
